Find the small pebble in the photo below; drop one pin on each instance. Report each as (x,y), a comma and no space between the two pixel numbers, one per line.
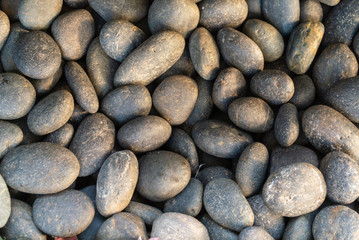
(62,136)
(10,136)
(286,125)
(5,201)
(216,231)
(146,212)
(254,233)
(207,174)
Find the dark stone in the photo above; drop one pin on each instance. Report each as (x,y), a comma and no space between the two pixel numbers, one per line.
(311,11)
(178,226)
(304,191)
(264,217)
(119,37)
(220,139)
(146,212)
(304,93)
(303,45)
(5,28)
(44,86)
(83,90)
(254,9)
(299,228)
(37,55)
(251,114)
(189,201)
(92,143)
(143,134)
(240,51)
(334,221)
(10,136)
(78,114)
(38,14)
(217,14)
(5,203)
(216,231)
(254,233)
(286,125)
(10,7)
(76,3)
(116,182)
(126,103)
(267,37)
(328,130)
(273,86)
(229,85)
(62,136)
(28,136)
(64,214)
(73,32)
(252,168)
(283,14)
(356,44)
(213,172)
(162,175)
(23,168)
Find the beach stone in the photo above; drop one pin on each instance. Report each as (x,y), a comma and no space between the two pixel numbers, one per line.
(189,201)
(45,85)
(207,174)
(146,212)
(178,226)
(62,136)
(304,93)
(304,191)
(267,37)
(116,182)
(335,63)
(253,233)
(264,217)
(5,201)
(273,86)
(162,175)
(10,136)
(251,114)
(143,134)
(73,31)
(224,13)
(5,28)
(119,37)
(38,14)
(78,115)
(64,214)
(51,113)
(303,45)
(92,143)
(311,11)
(216,231)
(21,224)
(335,221)
(240,51)
(151,59)
(23,168)
(37,55)
(10,7)
(220,139)
(83,90)
(126,103)
(299,228)
(286,125)
(122,226)
(100,68)
(328,130)
(229,85)
(251,168)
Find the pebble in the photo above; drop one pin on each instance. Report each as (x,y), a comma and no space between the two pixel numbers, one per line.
(78,115)
(229,85)
(251,168)
(226,204)
(299,228)
(51,113)
(76,3)
(146,212)
(336,221)
(220,139)
(5,28)
(207,174)
(5,201)
(23,168)
(10,7)
(289,200)
(240,51)
(92,143)
(216,231)
(254,233)
(178,226)
(10,136)
(37,55)
(267,37)
(61,136)
(162,175)
(251,114)
(44,86)
(64,214)
(304,93)
(116,182)
(143,134)
(73,31)
(356,44)
(330,2)
(286,125)
(311,11)
(126,103)
(38,14)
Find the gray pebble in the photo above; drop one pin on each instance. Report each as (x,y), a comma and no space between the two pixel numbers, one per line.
(62,136)
(78,115)
(10,136)
(4,28)
(299,228)
(254,9)
(44,86)
(254,233)
(330,2)
(286,125)
(311,11)
(5,201)
(356,44)
(76,3)
(207,174)
(304,93)
(146,212)
(216,231)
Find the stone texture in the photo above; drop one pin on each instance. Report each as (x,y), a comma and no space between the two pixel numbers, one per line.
(62,136)
(304,93)
(207,174)
(146,212)
(216,231)
(311,11)
(5,201)
(253,233)
(5,28)
(10,136)
(286,125)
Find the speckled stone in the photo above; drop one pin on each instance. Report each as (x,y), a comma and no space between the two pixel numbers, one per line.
(73,32)
(78,115)
(254,233)
(311,11)
(64,214)
(44,86)
(62,136)
(38,14)
(299,228)
(37,55)
(4,28)
(5,203)
(146,212)
(216,231)
(207,174)
(304,93)
(286,125)
(10,136)
(23,168)
(290,200)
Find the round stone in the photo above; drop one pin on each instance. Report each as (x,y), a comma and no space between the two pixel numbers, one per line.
(10,136)
(254,233)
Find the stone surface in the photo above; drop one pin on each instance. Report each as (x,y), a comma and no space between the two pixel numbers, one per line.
(311,11)
(304,93)
(146,212)
(286,125)
(216,231)
(5,201)
(62,136)
(10,7)
(10,136)
(207,174)
(5,28)
(253,233)
(76,3)
(299,228)
(45,85)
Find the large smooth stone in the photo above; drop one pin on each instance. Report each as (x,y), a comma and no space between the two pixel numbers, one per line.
(10,136)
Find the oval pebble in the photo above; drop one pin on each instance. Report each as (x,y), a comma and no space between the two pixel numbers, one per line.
(146,212)
(216,231)
(207,174)
(304,93)
(51,113)
(10,136)
(162,175)
(299,228)
(23,168)
(330,2)
(286,125)
(73,32)
(254,233)
(76,3)
(64,214)
(143,134)
(178,226)
(92,143)
(151,59)
(5,28)
(5,203)
(62,136)
(304,191)
(45,85)
(311,11)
